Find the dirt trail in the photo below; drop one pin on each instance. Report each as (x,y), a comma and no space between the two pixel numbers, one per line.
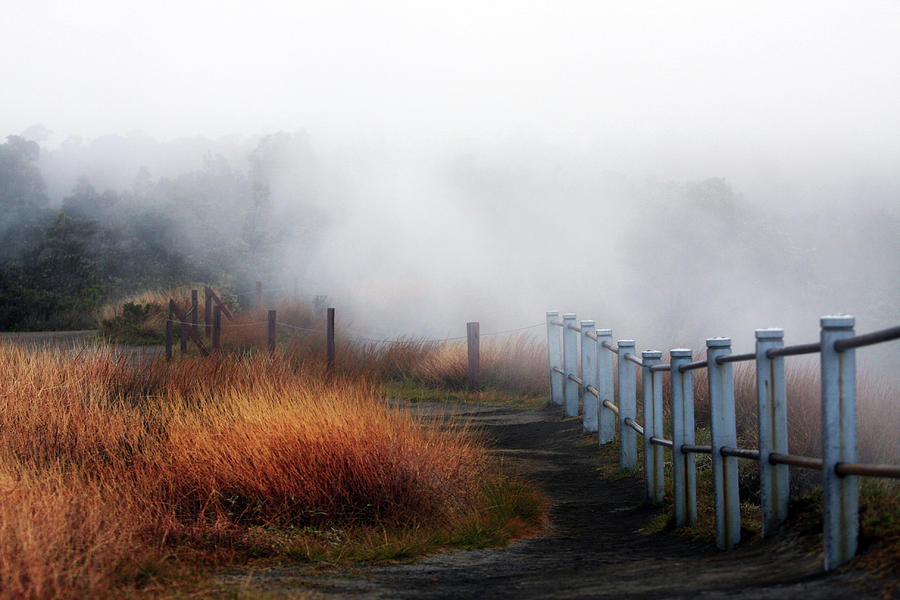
(592,548)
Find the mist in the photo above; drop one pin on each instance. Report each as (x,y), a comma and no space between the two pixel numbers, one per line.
(673,172)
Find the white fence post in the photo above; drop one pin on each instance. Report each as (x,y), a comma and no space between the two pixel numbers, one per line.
(570,360)
(771,403)
(653,454)
(838,441)
(684,464)
(606,384)
(589,377)
(724,433)
(554,355)
(627,409)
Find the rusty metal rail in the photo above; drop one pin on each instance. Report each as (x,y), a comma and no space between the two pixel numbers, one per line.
(728,358)
(592,335)
(662,442)
(870,470)
(574,328)
(575,379)
(632,358)
(660,368)
(739,452)
(794,350)
(631,423)
(592,390)
(610,347)
(867,339)
(694,449)
(558,370)
(557,323)
(794,460)
(611,406)
(697,364)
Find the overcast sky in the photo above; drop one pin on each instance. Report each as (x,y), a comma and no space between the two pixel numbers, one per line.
(703,75)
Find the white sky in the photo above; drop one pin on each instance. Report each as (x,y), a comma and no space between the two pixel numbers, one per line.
(704,76)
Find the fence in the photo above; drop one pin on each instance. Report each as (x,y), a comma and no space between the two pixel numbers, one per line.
(607,407)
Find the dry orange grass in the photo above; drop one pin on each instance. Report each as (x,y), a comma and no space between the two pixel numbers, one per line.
(104,464)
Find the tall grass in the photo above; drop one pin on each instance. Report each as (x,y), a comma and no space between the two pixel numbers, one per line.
(105,465)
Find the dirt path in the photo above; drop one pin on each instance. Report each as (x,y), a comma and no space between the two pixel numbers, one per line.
(592,548)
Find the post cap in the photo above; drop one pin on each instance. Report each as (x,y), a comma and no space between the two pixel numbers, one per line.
(718,342)
(552,313)
(607,332)
(625,343)
(587,323)
(651,354)
(770,333)
(837,321)
(680,353)
(569,316)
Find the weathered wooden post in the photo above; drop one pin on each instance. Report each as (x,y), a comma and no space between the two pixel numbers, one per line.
(570,360)
(207,310)
(184,331)
(589,354)
(554,355)
(724,433)
(271,336)
(472,342)
(258,294)
(627,405)
(217,327)
(654,484)
(771,408)
(195,313)
(169,330)
(606,385)
(684,463)
(329,341)
(841,499)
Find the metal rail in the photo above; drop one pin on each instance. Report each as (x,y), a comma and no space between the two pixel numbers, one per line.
(660,367)
(610,347)
(739,452)
(662,442)
(630,422)
(592,390)
(728,358)
(693,449)
(697,364)
(805,462)
(575,379)
(558,370)
(843,469)
(611,406)
(574,328)
(592,335)
(557,323)
(794,350)
(634,359)
(867,339)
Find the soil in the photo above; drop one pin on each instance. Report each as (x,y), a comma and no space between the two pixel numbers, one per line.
(593,546)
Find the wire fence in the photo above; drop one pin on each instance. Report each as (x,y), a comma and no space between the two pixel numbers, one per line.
(606,393)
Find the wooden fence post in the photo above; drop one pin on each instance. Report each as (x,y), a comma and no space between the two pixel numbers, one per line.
(207,310)
(684,464)
(473,343)
(554,355)
(627,409)
(258,294)
(195,313)
(841,499)
(329,341)
(771,410)
(271,332)
(169,330)
(653,454)
(724,433)
(570,360)
(606,386)
(217,327)
(184,335)
(589,355)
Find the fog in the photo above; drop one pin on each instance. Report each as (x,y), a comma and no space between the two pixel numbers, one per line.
(673,171)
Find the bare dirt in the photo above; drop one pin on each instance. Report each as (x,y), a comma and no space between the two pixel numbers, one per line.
(593,546)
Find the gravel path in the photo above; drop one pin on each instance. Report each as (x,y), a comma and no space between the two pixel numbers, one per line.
(592,548)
